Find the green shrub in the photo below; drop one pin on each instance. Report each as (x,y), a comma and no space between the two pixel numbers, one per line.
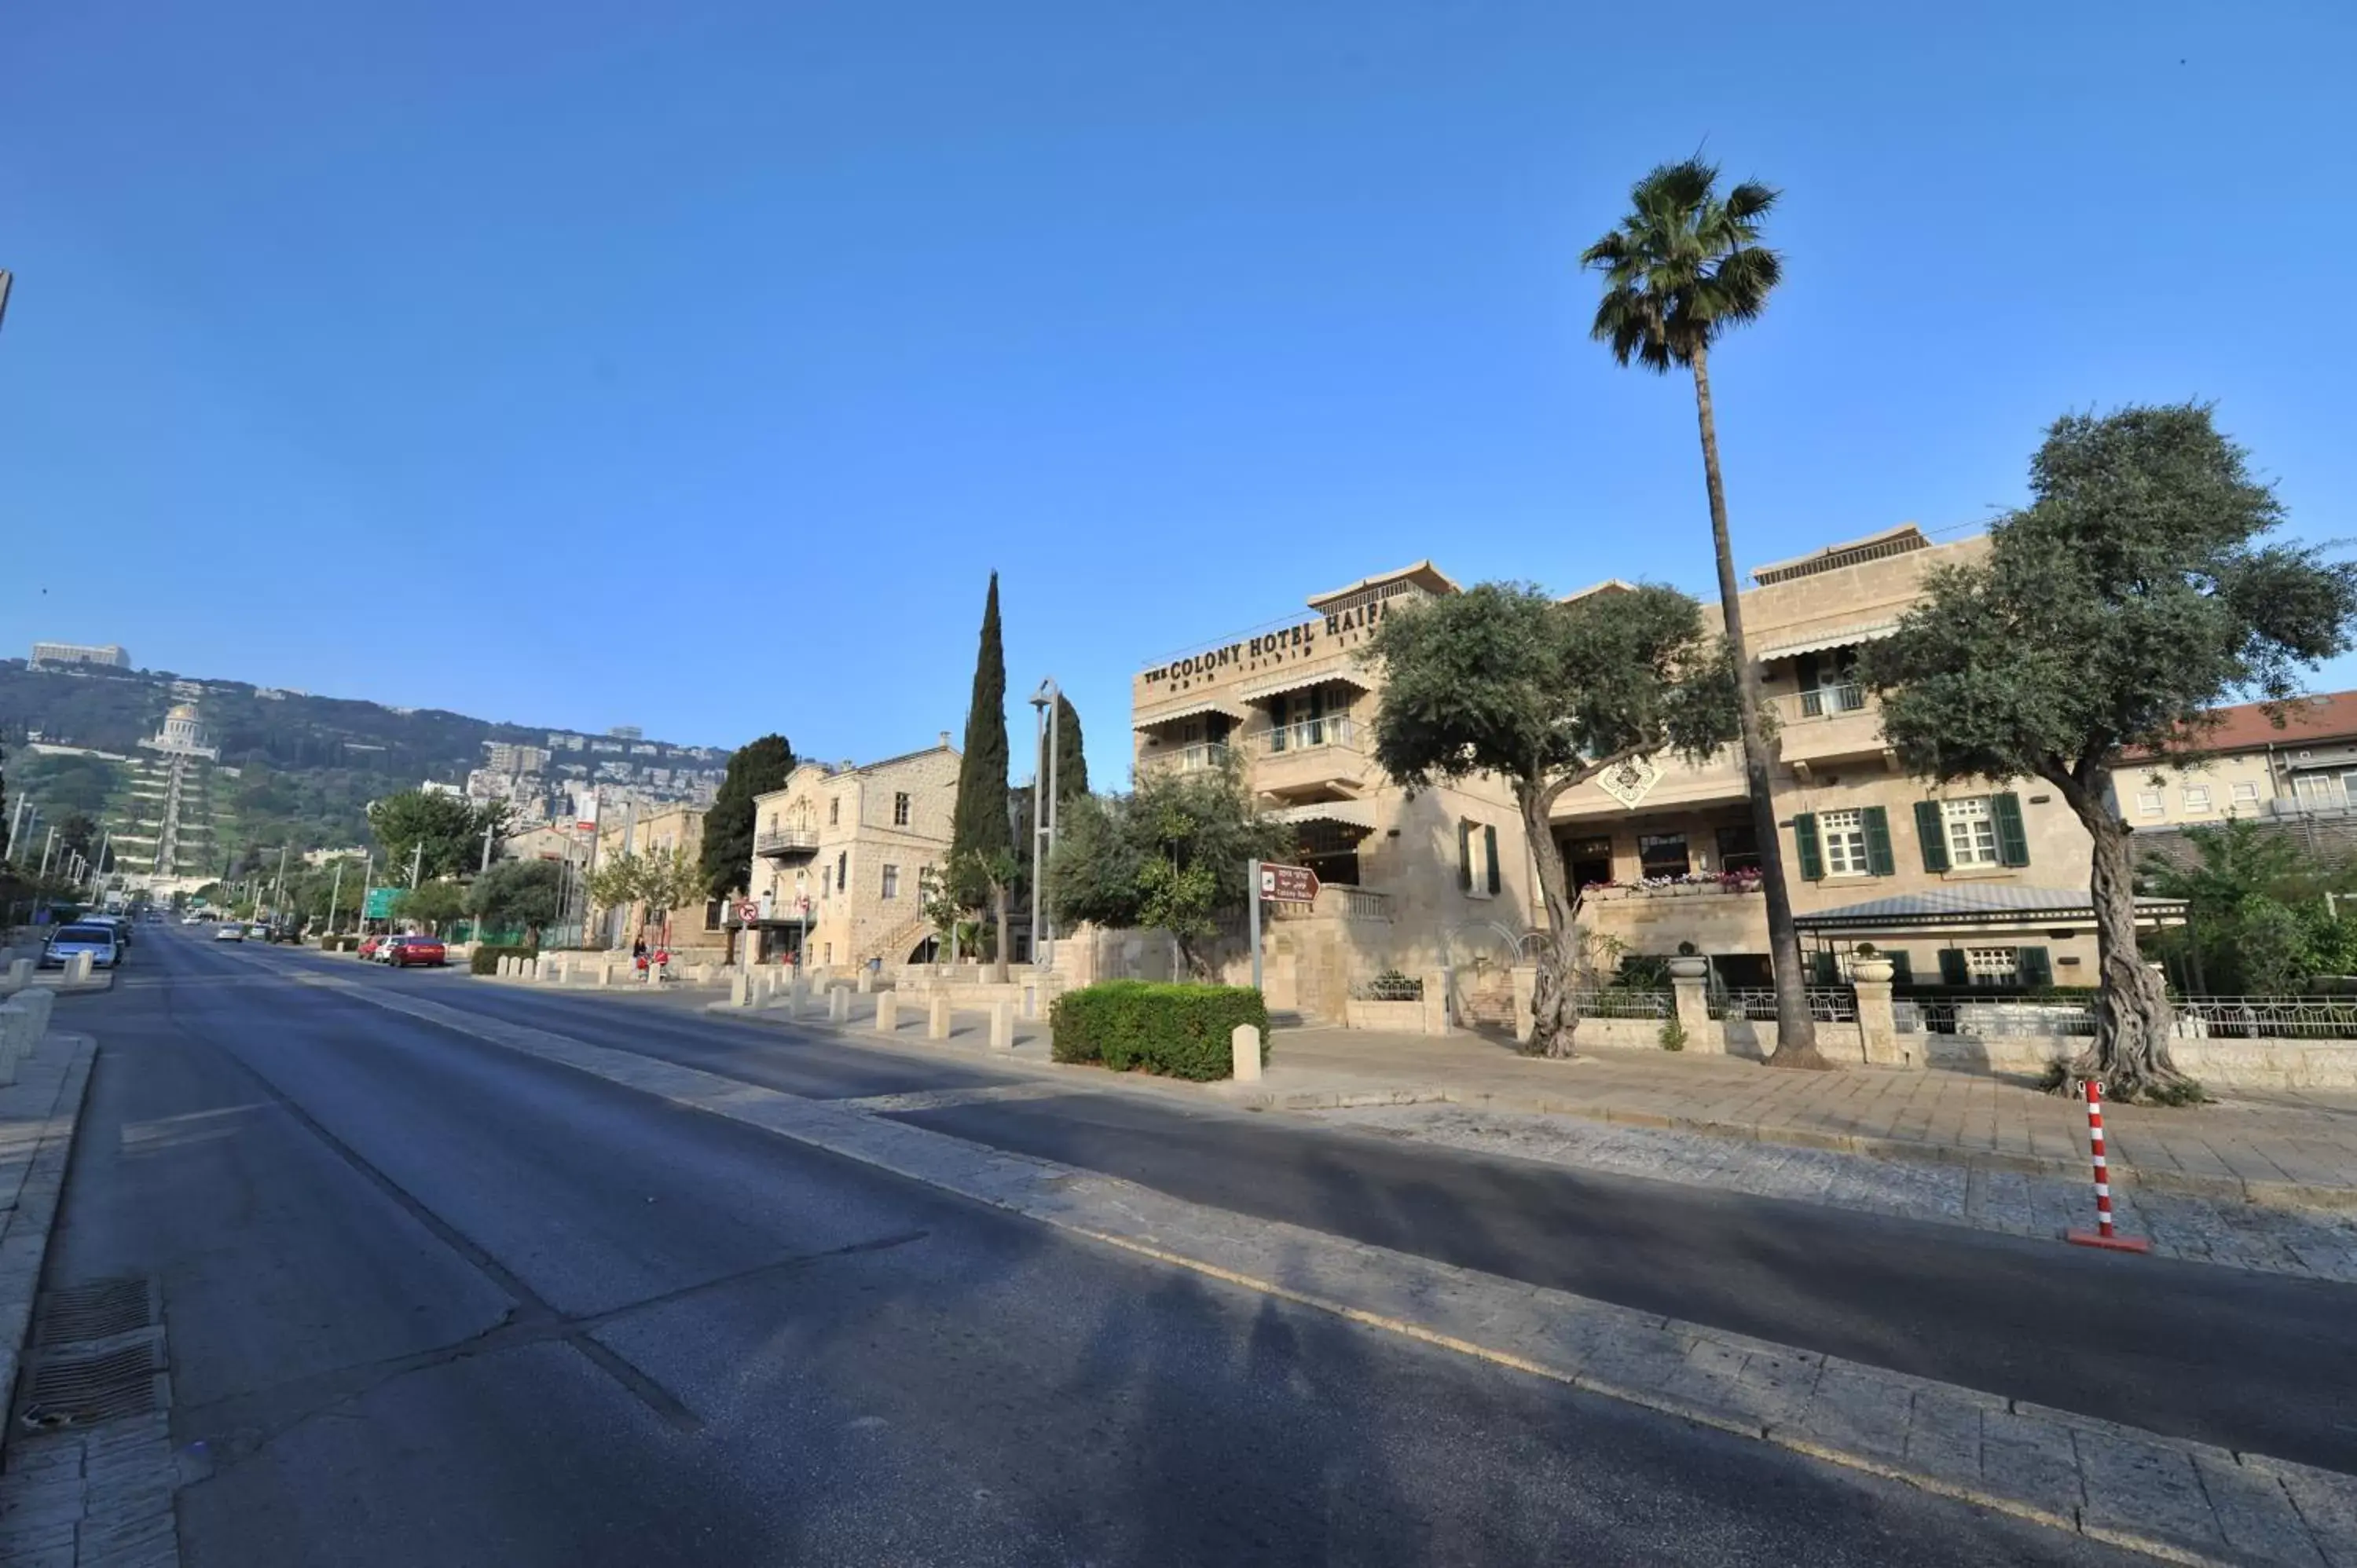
(1178,1030)
(340,944)
(487,956)
(1673,1033)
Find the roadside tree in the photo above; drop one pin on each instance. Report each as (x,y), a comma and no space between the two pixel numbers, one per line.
(2131,599)
(726,857)
(1684,265)
(524,893)
(981,866)
(431,904)
(1507,681)
(451,828)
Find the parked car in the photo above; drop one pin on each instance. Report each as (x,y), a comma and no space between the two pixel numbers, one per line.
(232,932)
(286,931)
(93,937)
(192,919)
(410,950)
(373,947)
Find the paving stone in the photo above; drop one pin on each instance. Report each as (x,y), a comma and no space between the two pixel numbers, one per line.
(2141,1487)
(1857,1411)
(2032,1459)
(2256,1514)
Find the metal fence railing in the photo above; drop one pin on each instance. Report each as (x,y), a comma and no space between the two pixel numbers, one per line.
(1617,1001)
(1827,1004)
(1389,988)
(2266,1018)
(1996,1016)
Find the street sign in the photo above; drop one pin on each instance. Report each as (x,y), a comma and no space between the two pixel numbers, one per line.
(376,904)
(748,911)
(1288,883)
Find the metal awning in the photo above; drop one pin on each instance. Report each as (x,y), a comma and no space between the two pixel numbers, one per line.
(1843,637)
(1349,813)
(1983,907)
(1228,705)
(1301,681)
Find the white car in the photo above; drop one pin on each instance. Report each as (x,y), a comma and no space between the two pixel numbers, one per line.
(229,933)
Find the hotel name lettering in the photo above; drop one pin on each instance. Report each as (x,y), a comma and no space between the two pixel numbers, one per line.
(1294,641)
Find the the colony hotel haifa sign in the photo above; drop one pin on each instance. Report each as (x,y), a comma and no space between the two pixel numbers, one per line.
(1292,644)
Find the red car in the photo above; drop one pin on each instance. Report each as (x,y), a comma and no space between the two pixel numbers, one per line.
(408,950)
(369,945)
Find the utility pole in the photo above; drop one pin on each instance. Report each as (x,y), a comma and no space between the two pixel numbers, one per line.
(335,895)
(417,864)
(47,846)
(278,887)
(98,873)
(1044,705)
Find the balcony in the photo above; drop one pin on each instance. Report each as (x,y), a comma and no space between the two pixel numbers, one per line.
(1828,722)
(786,843)
(1196,757)
(1313,755)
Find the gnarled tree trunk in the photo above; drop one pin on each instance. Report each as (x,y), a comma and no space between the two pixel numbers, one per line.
(998,921)
(2133,1021)
(1555,1004)
(1796,1027)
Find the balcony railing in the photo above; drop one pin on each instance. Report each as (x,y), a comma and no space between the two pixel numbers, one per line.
(1829,702)
(1200,757)
(1308,735)
(786,841)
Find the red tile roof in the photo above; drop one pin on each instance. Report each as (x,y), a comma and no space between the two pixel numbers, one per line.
(2328,715)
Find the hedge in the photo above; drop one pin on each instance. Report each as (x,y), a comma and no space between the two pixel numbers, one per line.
(340,944)
(1178,1030)
(486,955)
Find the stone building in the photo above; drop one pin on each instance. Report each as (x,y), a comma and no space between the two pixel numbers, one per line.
(1407,883)
(2251,766)
(1982,883)
(694,932)
(845,855)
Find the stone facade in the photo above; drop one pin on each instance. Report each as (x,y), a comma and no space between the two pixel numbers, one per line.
(2251,766)
(856,847)
(696,932)
(1408,884)
(1662,848)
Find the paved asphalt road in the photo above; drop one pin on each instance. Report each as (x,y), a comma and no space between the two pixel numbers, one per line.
(2253,1362)
(429,1301)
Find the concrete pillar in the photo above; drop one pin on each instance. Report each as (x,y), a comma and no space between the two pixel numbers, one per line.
(1243,1053)
(604,972)
(887,1012)
(1031,999)
(529,968)
(78,967)
(838,1005)
(20,973)
(1525,977)
(937,1019)
(796,994)
(1691,995)
(741,989)
(1002,1025)
(1877,1026)
(864,982)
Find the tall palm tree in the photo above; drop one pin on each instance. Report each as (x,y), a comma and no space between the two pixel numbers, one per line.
(1684,264)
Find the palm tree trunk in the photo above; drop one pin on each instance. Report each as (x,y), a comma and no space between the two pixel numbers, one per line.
(1796,1028)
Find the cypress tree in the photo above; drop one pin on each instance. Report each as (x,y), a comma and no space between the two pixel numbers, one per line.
(754,768)
(981,838)
(1072,766)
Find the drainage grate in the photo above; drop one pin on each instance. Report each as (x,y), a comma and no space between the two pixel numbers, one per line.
(73,1391)
(99,1310)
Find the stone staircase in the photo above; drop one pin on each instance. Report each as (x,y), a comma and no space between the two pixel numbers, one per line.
(894,949)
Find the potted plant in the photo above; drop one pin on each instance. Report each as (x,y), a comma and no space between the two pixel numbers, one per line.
(1689,964)
(1868,965)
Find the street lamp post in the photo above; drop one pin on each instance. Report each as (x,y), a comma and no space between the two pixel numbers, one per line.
(1044,705)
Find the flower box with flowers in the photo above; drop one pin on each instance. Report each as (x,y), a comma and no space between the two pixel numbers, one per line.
(1691,884)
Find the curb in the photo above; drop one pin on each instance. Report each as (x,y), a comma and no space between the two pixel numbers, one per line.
(32,1215)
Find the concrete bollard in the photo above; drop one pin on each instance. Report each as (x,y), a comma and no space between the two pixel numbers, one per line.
(741,989)
(1244,1051)
(1030,1001)
(838,1005)
(796,994)
(1002,1025)
(78,967)
(604,972)
(529,968)
(865,982)
(937,1019)
(887,1012)
(20,973)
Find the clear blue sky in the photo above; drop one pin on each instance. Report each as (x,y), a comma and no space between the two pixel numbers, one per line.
(690,366)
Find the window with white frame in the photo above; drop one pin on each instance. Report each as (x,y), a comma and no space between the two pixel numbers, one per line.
(1844,835)
(2197,798)
(1972,830)
(1992,966)
(2246,794)
(2148,802)
(892,882)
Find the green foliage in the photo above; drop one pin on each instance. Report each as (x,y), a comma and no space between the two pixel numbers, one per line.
(1071,767)
(1171,856)
(2132,597)
(1180,1031)
(2257,923)
(523,892)
(431,904)
(663,880)
(348,942)
(1684,264)
(1504,679)
(982,839)
(1673,1033)
(451,828)
(726,857)
(484,957)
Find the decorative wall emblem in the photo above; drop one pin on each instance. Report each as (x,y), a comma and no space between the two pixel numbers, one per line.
(1629,782)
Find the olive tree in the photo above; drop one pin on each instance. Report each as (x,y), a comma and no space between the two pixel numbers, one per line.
(1544,694)
(2132,596)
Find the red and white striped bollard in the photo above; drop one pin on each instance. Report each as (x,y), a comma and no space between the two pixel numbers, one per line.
(2102,1235)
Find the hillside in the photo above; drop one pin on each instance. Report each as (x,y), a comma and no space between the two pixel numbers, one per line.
(306,766)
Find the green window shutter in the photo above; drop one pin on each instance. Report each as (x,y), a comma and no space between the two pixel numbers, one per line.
(1878,841)
(1464,854)
(2012,838)
(1902,969)
(1933,834)
(1952,967)
(1804,840)
(2037,968)
(1823,969)
(1489,853)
